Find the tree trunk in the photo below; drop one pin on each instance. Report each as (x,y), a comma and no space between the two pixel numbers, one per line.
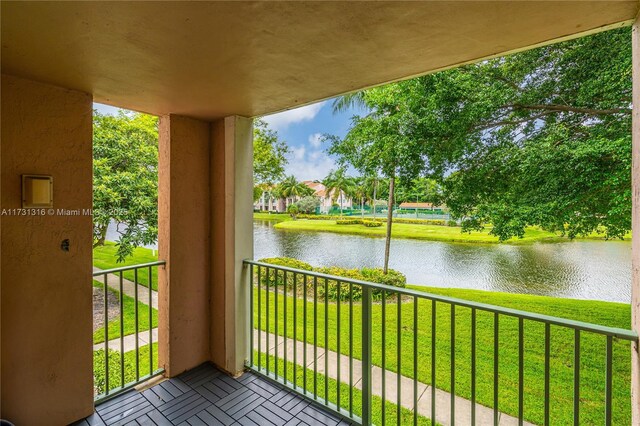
(362,207)
(103,236)
(375,187)
(387,244)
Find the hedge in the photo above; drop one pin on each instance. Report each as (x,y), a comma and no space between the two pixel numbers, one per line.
(392,278)
(372,223)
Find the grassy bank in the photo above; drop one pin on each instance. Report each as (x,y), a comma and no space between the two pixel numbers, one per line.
(592,359)
(418,232)
(278,217)
(426,232)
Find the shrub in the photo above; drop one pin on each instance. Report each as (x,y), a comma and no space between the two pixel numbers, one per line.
(371,223)
(392,278)
(308,204)
(293,210)
(349,222)
(315,216)
(452,223)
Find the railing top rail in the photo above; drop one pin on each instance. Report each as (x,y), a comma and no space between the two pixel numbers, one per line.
(128,268)
(620,333)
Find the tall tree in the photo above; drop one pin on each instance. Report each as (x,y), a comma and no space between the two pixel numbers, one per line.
(290,187)
(125,179)
(339,186)
(269,159)
(379,143)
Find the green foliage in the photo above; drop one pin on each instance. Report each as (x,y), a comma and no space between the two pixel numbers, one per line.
(338,185)
(372,223)
(314,216)
(290,187)
(125,179)
(308,204)
(293,210)
(330,288)
(115,379)
(538,138)
(452,223)
(349,222)
(269,155)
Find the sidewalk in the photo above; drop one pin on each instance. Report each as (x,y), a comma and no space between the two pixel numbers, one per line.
(484,415)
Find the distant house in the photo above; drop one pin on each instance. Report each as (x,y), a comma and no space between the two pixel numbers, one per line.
(269,203)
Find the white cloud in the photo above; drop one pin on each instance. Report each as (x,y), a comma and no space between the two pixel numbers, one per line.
(315,140)
(309,165)
(282,120)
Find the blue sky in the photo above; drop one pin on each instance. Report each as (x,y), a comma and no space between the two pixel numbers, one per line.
(301,128)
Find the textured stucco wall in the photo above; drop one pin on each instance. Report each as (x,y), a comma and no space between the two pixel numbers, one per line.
(232,239)
(46,292)
(184,242)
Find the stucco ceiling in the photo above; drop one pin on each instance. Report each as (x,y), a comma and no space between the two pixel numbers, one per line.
(212,59)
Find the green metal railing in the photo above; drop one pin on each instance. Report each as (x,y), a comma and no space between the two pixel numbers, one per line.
(275,288)
(124,369)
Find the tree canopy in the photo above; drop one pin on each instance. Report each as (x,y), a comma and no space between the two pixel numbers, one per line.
(125,179)
(269,154)
(540,137)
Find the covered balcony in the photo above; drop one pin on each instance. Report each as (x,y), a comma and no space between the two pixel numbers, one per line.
(238,341)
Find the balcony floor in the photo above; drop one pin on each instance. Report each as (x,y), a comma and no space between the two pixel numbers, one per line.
(206,396)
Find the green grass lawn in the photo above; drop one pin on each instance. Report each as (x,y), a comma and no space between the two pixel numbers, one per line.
(592,371)
(115,377)
(280,217)
(129,322)
(425,232)
(419,232)
(104,257)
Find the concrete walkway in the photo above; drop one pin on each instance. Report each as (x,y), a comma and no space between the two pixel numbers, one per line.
(129,342)
(128,288)
(484,415)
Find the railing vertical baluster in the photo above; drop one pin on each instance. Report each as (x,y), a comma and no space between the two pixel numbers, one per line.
(609,382)
(384,357)
(259,318)
(286,329)
(496,331)
(295,330)
(576,378)
(251,311)
(315,337)
(521,371)
(135,292)
(338,332)
(276,320)
(547,356)
(350,349)
(150,293)
(398,359)
(366,355)
(453,364)
(326,341)
(268,318)
(121,332)
(415,360)
(304,334)
(473,366)
(106,334)
(433,362)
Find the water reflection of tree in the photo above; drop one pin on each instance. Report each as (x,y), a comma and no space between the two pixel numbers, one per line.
(517,269)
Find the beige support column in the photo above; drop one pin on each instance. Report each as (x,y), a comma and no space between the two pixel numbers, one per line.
(635,280)
(232,239)
(46,293)
(184,242)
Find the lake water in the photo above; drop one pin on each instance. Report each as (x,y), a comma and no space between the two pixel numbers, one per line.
(599,270)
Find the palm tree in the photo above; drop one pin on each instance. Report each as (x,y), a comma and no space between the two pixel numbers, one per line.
(290,187)
(338,184)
